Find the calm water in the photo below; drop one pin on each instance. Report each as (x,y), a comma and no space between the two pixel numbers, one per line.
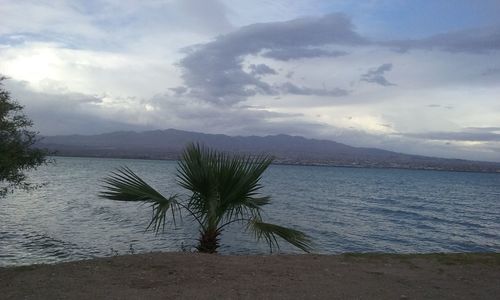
(342,209)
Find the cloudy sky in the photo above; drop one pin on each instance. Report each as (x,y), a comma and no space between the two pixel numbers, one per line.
(418,77)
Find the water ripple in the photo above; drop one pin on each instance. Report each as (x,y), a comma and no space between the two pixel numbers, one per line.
(342,209)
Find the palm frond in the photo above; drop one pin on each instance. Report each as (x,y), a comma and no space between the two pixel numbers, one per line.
(125,185)
(224,187)
(196,173)
(269,232)
(159,216)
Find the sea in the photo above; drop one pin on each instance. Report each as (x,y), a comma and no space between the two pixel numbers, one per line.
(340,209)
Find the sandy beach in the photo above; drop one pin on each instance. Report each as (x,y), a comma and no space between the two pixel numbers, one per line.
(202,276)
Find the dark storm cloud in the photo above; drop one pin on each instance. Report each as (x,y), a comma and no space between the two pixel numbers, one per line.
(214,71)
(440,106)
(491,71)
(290,88)
(465,135)
(291,53)
(482,129)
(179,90)
(475,40)
(191,109)
(261,69)
(377,75)
(472,40)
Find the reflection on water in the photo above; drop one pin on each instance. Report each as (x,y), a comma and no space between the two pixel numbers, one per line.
(342,209)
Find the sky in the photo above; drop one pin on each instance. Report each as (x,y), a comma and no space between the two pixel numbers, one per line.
(419,77)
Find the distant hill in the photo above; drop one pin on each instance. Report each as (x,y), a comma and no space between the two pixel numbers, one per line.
(167,144)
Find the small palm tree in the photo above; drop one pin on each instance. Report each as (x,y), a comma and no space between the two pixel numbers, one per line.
(223,191)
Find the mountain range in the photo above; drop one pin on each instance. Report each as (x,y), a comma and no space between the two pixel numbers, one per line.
(168,144)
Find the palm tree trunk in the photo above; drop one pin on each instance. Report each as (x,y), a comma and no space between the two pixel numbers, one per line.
(208,241)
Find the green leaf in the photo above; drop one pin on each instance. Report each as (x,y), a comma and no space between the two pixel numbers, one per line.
(125,185)
(18,151)
(270,232)
(224,187)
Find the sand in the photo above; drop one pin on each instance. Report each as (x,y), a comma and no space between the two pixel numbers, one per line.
(205,276)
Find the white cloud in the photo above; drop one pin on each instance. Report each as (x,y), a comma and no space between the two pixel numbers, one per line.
(95,66)
(88,71)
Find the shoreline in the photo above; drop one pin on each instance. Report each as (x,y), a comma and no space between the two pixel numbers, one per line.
(295,164)
(206,276)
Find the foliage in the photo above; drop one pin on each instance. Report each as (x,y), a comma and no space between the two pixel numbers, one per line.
(17,153)
(223,190)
